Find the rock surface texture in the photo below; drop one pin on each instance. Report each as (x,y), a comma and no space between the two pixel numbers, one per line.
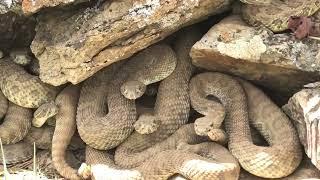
(72,46)
(33,6)
(303,109)
(10,6)
(276,61)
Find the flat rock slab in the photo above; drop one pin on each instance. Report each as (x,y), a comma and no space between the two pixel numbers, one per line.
(33,6)
(72,46)
(304,109)
(276,61)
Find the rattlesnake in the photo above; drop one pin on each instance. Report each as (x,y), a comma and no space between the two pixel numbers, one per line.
(203,160)
(171,108)
(103,130)
(276,13)
(17,122)
(67,102)
(24,89)
(283,155)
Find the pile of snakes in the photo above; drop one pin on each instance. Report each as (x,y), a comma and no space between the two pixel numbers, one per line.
(125,138)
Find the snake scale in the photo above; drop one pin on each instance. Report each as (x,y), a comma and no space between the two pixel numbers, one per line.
(171,109)
(67,102)
(105,117)
(23,88)
(201,160)
(242,101)
(15,126)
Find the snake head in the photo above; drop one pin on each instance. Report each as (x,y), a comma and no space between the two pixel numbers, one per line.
(133,89)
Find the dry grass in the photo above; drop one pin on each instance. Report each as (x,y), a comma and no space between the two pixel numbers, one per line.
(22,175)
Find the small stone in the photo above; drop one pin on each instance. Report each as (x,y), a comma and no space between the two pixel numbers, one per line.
(304,109)
(276,61)
(21,57)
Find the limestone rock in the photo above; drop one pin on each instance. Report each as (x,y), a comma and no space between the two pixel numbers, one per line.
(33,6)
(10,6)
(72,46)
(304,109)
(276,61)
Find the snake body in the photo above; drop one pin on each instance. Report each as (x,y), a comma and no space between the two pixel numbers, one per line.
(162,57)
(105,130)
(67,102)
(171,109)
(23,88)
(202,160)
(17,153)
(243,102)
(3,105)
(275,14)
(15,126)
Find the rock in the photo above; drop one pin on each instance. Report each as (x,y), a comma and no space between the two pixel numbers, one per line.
(72,46)
(276,61)
(10,6)
(32,6)
(304,109)
(16,31)
(21,56)
(33,67)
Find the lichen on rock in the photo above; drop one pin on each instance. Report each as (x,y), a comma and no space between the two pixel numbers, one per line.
(277,61)
(71,46)
(304,110)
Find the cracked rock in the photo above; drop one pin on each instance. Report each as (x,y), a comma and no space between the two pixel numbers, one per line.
(277,61)
(72,46)
(33,6)
(304,109)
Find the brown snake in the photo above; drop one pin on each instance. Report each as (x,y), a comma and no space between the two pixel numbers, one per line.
(105,117)
(245,102)
(171,108)
(67,102)
(200,161)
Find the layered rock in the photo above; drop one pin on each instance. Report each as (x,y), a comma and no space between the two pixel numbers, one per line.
(276,61)
(33,6)
(304,109)
(71,46)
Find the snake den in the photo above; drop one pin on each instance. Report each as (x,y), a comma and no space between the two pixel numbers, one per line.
(159,89)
